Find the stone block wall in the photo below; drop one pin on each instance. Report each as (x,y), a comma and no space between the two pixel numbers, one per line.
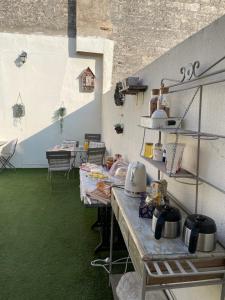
(144,29)
(51,17)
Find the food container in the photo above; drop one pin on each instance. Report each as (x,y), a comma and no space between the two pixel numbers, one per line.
(159,120)
(174,154)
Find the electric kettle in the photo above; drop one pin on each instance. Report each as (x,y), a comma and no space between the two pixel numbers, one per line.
(166,222)
(199,233)
(135,182)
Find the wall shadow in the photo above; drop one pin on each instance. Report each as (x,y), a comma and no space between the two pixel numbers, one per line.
(76,124)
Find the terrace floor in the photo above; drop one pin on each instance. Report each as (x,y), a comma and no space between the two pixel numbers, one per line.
(46,243)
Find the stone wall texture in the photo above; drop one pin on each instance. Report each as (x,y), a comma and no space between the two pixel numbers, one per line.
(144,29)
(52,17)
(141,29)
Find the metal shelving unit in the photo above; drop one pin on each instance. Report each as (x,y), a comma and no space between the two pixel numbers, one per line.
(191,80)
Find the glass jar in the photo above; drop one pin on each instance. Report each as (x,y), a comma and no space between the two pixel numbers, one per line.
(163,100)
(153,101)
(86,145)
(148,150)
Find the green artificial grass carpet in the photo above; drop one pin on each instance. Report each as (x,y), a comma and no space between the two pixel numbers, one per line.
(46,244)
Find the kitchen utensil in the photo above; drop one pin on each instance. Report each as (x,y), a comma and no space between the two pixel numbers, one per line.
(199,233)
(135,182)
(166,222)
(174,154)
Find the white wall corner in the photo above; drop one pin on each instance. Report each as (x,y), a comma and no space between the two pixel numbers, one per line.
(102,46)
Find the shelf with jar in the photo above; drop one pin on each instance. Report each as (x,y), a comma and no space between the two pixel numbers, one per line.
(159,119)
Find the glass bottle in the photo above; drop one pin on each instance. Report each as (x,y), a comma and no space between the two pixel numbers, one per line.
(158,152)
(163,100)
(153,101)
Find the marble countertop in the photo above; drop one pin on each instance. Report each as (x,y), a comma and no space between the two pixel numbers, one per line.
(141,232)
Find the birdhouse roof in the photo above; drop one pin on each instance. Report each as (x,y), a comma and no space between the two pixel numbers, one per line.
(87,72)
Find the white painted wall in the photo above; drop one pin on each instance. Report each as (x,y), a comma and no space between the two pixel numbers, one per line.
(49,77)
(207,46)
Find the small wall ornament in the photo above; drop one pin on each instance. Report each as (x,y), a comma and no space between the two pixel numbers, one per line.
(18,108)
(87,80)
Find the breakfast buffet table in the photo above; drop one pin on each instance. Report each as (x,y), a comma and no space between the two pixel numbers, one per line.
(92,198)
(165,263)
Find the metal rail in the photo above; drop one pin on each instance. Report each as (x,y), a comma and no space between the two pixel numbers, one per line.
(191,80)
(184,268)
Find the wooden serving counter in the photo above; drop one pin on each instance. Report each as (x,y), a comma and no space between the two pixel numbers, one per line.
(164,263)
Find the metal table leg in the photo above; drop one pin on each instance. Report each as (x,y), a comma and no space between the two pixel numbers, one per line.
(222,297)
(111,244)
(98,222)
(143,291)
(104,231)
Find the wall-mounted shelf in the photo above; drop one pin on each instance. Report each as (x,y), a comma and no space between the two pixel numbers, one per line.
(181,174)
(134,89)
(161,166)
(185,132)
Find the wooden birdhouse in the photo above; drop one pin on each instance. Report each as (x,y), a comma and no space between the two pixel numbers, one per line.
(87,80)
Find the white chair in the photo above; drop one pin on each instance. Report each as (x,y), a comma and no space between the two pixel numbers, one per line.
(6,153)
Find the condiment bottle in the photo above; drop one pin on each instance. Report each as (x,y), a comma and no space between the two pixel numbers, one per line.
(158,152)
(153,101)
(164,155)
(163,101)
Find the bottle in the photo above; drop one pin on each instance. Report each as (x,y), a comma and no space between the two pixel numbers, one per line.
(86,145)
(153,101)
(158,152)
(164,155)
(163,101)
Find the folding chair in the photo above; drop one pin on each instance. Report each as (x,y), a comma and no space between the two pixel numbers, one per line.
(6,153)
(96,155)
(58,161)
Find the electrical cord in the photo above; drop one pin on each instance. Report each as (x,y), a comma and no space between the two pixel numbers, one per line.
(104,263)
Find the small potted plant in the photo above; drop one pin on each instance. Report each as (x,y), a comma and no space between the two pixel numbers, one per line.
(59,115)
(18,108)
(118,128)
